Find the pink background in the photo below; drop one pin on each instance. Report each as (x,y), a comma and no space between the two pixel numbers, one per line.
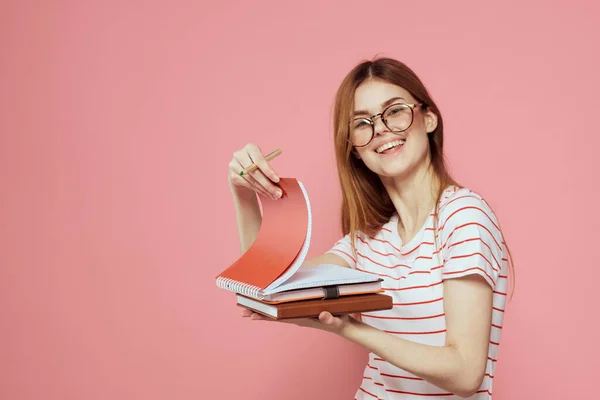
(118,120)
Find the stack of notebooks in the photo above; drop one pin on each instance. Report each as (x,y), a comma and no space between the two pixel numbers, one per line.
(269,277)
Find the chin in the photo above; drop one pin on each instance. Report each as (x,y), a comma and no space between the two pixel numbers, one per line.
(391,169)
(398,166)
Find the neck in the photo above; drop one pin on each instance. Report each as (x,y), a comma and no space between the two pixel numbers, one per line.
(413,196)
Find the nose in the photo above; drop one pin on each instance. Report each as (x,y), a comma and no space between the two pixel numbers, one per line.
(378,126)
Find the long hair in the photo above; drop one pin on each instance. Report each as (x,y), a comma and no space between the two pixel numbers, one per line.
(366,205)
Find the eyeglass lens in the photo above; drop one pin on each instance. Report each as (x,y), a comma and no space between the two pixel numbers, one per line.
(397,118)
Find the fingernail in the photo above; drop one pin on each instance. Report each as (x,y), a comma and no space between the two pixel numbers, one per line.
(278,193)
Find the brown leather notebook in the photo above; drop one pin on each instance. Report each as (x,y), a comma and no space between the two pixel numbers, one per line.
(312,308)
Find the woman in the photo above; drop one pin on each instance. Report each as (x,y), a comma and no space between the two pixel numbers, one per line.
(438,246)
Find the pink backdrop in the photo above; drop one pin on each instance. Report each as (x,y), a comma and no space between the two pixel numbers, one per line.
(117,123)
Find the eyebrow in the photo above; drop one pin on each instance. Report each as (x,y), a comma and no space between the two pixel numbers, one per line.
(383,105)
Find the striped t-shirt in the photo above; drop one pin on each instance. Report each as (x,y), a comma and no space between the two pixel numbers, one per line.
(470,242)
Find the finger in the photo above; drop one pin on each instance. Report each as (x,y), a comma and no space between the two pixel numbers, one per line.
(250,183)
(325,317)
(258,185)
(246,313)
(261,162)
(258,317)
(259,179)
(236,166)
(328,319)
(264,174)
(256,178)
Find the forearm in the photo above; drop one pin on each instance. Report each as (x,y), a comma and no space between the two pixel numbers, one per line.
(442,366)
(248,216)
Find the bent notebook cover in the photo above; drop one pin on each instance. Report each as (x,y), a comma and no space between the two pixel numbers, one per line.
(280,246)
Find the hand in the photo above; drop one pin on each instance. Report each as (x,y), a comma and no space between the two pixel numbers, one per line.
(326,321)
(262,180)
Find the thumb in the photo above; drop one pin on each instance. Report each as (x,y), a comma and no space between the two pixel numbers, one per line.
(328,319)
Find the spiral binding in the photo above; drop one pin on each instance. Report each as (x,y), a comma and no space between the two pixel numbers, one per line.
(239,287)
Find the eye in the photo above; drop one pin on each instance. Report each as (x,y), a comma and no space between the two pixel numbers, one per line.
(361,123)
(395,110)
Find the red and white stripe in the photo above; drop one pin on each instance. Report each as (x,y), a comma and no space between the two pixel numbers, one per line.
(469,242)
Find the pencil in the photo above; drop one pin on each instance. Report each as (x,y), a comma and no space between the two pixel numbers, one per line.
(268,157)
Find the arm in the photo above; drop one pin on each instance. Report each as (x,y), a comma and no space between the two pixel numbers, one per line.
(472,253)
(457,367)
(247,215)
(326,258)
(244,189)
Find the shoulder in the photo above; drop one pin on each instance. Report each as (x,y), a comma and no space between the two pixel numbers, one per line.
(471,240)
(460,206)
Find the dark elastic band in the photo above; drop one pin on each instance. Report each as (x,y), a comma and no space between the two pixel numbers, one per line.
(331,292)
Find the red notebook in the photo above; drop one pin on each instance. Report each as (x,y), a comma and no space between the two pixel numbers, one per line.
(273,264)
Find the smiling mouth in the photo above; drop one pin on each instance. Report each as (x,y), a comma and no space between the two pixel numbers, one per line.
(383,148)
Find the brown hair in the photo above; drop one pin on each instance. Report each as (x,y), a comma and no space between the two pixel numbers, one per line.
(366,205)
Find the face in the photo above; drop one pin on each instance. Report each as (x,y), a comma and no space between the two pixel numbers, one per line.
(391,154)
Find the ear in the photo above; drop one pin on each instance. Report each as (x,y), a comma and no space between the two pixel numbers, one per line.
(431,121)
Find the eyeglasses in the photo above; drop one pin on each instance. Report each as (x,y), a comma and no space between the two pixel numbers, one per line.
(397,117)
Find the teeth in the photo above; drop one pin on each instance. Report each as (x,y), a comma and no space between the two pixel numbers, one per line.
(389,145)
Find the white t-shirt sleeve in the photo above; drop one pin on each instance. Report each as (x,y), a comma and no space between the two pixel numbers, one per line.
(471,239)
(343,248)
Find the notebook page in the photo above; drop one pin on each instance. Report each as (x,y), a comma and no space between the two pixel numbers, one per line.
(323,275)
(318,292)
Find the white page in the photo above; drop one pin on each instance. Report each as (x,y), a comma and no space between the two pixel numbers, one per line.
(323,275)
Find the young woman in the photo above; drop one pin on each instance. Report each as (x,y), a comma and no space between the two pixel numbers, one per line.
(437,245)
